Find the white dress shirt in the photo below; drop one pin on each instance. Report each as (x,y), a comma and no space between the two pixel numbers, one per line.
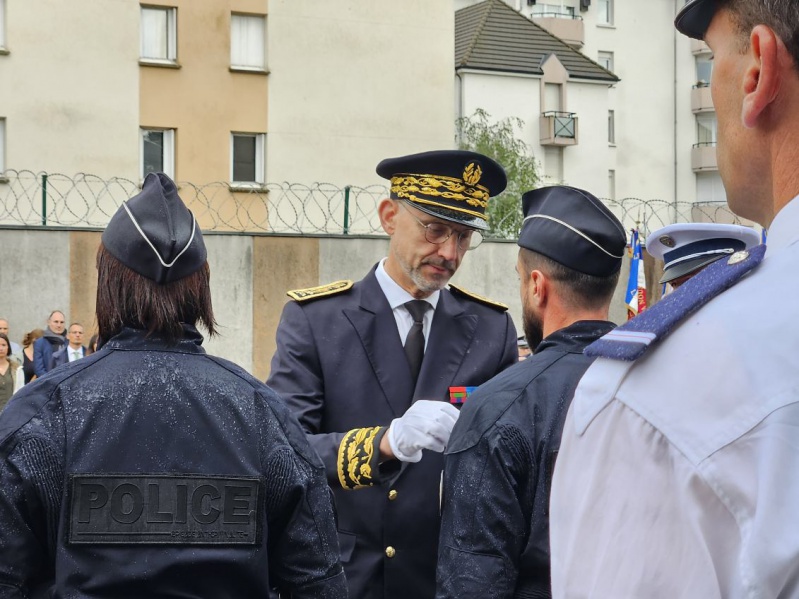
(397,297)
(678,475)
(74,354)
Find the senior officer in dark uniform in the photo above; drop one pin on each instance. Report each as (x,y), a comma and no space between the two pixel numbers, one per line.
(150,469)
(349,355)
(498,466)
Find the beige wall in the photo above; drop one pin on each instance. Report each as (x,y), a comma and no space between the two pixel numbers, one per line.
(69,86)
(203,100)
(249,279)
(353,82)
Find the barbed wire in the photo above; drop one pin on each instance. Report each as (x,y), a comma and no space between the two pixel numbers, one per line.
(29,198)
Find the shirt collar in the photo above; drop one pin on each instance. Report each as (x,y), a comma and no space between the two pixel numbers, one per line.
(395,294)
(784,229)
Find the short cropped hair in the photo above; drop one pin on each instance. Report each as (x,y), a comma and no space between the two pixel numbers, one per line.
(782,16)
(576,289)
(127,299)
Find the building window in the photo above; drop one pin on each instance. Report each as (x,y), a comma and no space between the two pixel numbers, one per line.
(611,185)
(704,69)
(2,147)
(706,129)
(159,41)
(612,127)
(553,164)
(552,97)
(605,16)
(553,9)
(605,59)
(247,158)
(709,188)
(247,42)
(2,24)
(158,151)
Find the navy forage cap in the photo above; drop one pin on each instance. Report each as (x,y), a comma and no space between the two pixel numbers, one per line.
(573,228)
(154,234)
(695,17)
(687,247)
(453,185)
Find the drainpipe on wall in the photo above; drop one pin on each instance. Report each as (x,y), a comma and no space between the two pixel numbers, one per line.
(459,91)
(674,30)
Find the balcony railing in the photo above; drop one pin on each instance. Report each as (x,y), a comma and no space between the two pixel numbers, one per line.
(558,128)
(703,156)
(699,47)
(565,26)
(701,98)
(556,15)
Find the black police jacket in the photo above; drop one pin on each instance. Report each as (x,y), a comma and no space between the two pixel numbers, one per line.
(498,469)
(147,470)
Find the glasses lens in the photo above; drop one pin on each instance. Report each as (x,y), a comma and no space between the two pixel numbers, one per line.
(436,233)
(469,240)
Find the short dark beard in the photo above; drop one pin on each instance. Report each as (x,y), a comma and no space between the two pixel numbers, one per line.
(533,328)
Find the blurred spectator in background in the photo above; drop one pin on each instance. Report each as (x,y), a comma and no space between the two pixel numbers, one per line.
(27,353)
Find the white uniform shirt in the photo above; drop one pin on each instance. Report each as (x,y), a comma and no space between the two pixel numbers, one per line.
(678,475)
(397,297)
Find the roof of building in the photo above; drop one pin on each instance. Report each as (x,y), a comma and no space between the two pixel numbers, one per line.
(492,36)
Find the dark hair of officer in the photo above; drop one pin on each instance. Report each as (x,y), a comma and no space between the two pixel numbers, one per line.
(575,288)
(780,15)
(152,272)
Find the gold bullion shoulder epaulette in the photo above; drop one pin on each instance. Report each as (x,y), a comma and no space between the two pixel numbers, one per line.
(478,298)
(304,295)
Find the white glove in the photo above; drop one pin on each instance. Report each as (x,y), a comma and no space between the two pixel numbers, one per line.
(426,425)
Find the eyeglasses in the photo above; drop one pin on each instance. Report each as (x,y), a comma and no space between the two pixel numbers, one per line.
(438,233)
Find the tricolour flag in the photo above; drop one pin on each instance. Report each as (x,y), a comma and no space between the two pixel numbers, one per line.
(636,285)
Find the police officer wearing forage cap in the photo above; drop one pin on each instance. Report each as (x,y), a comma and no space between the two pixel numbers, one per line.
(498,465)
(676,475)
(368,368)
(686,248)
(151,469)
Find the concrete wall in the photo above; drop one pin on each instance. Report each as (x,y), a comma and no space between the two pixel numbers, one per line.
(353,82)
(250,275)
(79,108)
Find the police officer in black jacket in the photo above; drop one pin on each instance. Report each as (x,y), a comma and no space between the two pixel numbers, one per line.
(498,467)
(151,469)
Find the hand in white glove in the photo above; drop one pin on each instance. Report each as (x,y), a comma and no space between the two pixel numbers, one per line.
(426,425)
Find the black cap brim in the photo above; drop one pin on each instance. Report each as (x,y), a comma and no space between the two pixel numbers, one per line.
(452,216)
(689,266)
(695,17)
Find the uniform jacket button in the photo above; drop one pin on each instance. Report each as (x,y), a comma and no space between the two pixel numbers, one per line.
(390,551)
(392,494)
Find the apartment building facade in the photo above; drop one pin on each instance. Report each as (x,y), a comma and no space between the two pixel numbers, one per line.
(660,136)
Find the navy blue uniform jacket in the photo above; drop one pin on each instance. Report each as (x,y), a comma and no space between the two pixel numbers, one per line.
(147,470)
(498,473)
(341,367)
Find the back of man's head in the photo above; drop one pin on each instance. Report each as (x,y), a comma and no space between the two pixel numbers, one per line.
(576,290)
(576,241)
(152,268)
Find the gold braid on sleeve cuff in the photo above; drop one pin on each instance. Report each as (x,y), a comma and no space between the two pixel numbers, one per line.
(357,456)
